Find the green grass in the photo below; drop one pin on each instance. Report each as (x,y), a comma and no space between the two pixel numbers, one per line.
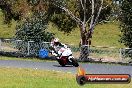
(14,58)
(25,59)
(6,31)
(29,78)
(107,35)
(72,39)
(104,35)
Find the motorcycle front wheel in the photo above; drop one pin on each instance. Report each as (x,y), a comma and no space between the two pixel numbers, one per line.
(61,62)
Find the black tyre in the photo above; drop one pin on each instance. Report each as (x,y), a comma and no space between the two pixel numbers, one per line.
(74,62)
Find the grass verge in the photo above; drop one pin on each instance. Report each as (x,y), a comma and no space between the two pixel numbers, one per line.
(29,78)
(24,59)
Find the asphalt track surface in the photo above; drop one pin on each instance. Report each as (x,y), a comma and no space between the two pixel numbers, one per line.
(91,68)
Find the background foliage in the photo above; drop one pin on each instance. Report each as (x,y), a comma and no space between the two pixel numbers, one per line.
(33,29)
(126,23)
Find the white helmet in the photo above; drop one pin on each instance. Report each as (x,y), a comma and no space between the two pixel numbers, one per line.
(56,40)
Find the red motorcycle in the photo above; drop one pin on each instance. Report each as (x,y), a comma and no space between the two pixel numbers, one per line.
(64,57)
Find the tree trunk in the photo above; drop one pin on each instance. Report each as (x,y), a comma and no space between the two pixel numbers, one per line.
(84,44)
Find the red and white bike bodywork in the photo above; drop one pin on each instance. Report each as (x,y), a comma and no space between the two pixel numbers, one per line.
(64,57)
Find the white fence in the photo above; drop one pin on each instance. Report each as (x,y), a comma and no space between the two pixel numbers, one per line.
(19,46)
(105,54)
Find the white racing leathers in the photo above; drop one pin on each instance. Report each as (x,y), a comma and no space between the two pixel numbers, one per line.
(66,52)
(62,50)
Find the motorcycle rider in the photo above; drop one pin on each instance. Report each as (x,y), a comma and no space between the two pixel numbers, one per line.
(56,46)
(60,51)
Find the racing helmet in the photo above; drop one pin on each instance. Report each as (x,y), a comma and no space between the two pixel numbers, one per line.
(56,41)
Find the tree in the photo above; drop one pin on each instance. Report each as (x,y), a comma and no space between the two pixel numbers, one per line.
(86,14)
(14,9)
(33,18)
(126,23)
(33,12)
(33,29)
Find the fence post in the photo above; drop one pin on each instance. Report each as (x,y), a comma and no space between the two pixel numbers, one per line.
(28,48)
(0,44)
(84,53)
(120,54)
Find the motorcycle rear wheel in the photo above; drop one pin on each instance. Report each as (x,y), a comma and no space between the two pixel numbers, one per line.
(74,62)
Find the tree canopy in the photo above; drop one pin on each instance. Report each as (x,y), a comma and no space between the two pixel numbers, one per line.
(19,9)
(126,23)
(63,20)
